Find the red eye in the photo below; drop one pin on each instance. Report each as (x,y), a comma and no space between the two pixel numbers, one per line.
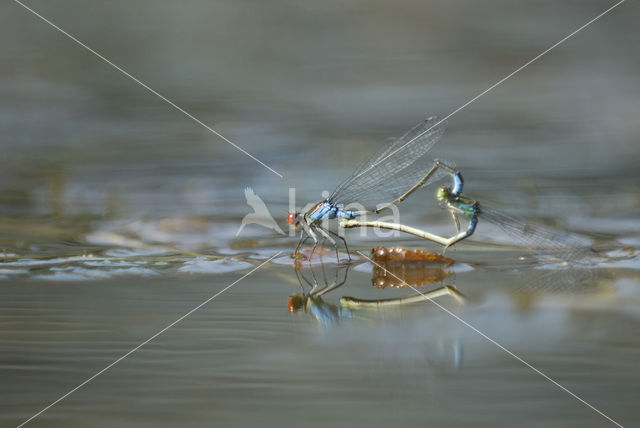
(295,303)
(291,218)
(291,306)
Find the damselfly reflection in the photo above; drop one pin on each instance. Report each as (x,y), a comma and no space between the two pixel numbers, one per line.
(316,285)
(399,267)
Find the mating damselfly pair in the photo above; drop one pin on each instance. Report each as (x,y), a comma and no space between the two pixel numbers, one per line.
(390,175)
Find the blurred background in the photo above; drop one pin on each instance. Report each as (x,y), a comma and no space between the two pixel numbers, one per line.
(308,88)
(94,169)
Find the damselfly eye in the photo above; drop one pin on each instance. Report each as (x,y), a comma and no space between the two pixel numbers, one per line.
(292,218)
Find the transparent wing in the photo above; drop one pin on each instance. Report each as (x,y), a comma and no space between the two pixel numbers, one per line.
(388,174)
(563,245)
(567,259)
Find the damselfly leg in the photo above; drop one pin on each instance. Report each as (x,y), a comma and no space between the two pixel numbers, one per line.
(312,231)
(303,239)
(344,241)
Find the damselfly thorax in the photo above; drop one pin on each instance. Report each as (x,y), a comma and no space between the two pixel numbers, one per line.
(385,179)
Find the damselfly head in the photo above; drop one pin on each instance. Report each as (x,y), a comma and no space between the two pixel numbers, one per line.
(443,193)
(295,302)
(293,218)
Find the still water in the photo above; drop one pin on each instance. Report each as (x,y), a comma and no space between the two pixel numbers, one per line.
(119,215)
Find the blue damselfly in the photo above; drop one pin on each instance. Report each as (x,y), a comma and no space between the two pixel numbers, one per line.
(384,179)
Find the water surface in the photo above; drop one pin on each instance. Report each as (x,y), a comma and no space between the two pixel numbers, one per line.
(118,215)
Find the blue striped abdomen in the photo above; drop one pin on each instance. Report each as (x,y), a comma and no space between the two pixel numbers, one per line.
(327,210)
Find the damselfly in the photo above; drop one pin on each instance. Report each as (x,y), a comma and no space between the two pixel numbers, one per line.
(533,236)
(386,178)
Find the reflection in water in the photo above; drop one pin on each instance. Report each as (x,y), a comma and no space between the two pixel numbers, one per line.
(539,275)
(311,301)
(399,267)
(444,355)
(396,267)
(447,290)
(553,272)
(563,279)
